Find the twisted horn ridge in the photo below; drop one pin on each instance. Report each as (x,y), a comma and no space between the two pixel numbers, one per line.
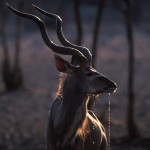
(61,37)
(82,60)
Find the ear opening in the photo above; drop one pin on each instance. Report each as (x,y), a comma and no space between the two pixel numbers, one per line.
(62,65)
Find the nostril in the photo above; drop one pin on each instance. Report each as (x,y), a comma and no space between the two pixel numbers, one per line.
(109,84)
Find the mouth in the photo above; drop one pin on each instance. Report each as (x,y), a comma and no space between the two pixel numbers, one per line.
(105,90)
(109,90)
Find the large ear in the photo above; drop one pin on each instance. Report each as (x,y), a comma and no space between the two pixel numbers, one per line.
(62,65)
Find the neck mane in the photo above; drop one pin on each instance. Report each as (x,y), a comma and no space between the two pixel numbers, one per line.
(62,79)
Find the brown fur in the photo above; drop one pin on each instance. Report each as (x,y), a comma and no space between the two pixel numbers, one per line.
(61,83)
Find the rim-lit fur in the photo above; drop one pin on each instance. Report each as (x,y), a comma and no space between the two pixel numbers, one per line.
(62,79)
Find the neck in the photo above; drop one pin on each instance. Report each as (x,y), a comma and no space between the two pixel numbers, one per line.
(74,109)
(73,96)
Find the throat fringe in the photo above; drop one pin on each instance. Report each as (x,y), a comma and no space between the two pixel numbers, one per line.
(61,83)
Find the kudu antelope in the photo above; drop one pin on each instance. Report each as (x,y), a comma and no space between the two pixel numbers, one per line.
(71,126)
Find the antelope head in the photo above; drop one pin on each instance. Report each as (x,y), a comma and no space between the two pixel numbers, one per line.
(80,69)
(86,78)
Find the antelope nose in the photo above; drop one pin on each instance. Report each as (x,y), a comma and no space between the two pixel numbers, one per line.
(112,87)
(109,85)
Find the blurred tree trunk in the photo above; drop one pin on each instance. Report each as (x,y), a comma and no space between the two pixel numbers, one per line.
(78,22)
(62,6)
(18,77)
(131,125)
(96,29)
(12,75)
(137,11)
(6,68)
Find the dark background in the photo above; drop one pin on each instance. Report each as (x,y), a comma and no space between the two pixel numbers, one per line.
(24,111)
